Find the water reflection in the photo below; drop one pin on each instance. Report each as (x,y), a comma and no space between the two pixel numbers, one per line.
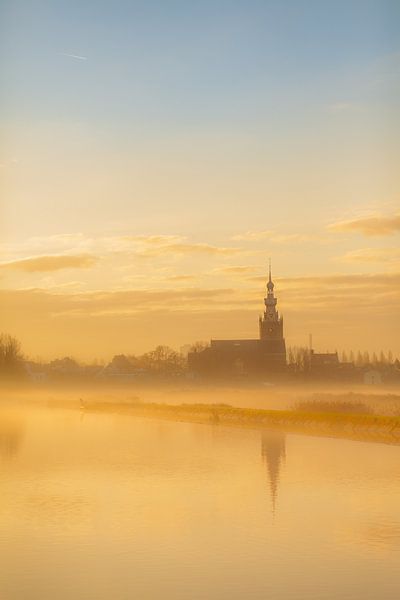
(273,452)
(52,509)
(385,535)
(379,535)
(111,501)
(11,435)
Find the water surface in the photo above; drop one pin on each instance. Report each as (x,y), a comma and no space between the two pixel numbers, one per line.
(111,506)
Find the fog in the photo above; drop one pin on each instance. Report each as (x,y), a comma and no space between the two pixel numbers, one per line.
(380,400)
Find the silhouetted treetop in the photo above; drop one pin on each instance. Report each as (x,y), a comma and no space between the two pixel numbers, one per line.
(11,358)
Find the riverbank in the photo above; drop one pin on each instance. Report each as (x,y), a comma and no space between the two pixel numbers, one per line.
(366,427)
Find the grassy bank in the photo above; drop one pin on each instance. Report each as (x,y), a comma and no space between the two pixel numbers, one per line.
(368,427)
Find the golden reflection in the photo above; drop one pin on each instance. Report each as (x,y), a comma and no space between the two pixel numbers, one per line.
(385,535)
(380,535)
(11,435)
(273,452)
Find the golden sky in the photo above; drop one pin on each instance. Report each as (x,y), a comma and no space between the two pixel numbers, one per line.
(148,175)
(93,296)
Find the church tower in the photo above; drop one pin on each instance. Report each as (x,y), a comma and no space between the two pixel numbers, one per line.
(271,329)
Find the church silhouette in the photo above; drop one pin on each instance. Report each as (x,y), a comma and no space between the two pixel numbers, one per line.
(247,356)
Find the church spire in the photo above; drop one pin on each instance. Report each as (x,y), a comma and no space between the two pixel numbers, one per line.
(270,284)
(271,324)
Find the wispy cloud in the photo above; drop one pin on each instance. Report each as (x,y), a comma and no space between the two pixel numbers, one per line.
(123,321)
(127,247)
(236,269)
(372,255)
(278,238)
(297,293)
(181,278)
(154,240)
(374,225)
(37,264)
(187,249)
(75,56)
(296,238)
(162,245)
(253,236)
(340,281)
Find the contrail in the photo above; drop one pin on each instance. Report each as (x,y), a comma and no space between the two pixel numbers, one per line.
(74,56)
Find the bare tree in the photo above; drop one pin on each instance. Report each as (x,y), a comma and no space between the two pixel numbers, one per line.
(164,361)
(198,346)
(299,358)
(11,358)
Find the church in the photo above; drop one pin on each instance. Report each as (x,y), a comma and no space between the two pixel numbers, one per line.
(253,357)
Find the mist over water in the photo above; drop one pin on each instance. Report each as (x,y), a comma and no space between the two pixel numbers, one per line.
(99,505)
(315,397)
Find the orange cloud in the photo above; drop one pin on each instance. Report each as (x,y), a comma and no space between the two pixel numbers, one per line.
(352,280)
(348,291)
(236,270)
(278,238)
(336,308)
(182,278)
(55,262)
(296,237)
(156,240)
(369,226)
(376,255)
(188,249)
(253,236)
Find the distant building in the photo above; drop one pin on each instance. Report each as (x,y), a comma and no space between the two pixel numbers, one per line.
(326,365)
(323,362)
(244,357)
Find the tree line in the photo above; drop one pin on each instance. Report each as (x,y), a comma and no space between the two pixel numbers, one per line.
(163,360)
(299,358)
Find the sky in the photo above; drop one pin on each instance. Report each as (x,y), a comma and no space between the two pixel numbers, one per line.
(154,155)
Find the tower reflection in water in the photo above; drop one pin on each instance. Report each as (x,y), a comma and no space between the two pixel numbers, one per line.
(273,452)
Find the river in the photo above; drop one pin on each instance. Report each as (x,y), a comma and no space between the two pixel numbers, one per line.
(109,506)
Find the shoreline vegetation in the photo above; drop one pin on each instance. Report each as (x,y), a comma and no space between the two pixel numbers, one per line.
(354,415)
(352,426)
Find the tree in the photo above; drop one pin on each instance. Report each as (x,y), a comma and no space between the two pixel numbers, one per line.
(65,366)
(198,346)
(164,361)
(299,358)
(11,358)
(121,364)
